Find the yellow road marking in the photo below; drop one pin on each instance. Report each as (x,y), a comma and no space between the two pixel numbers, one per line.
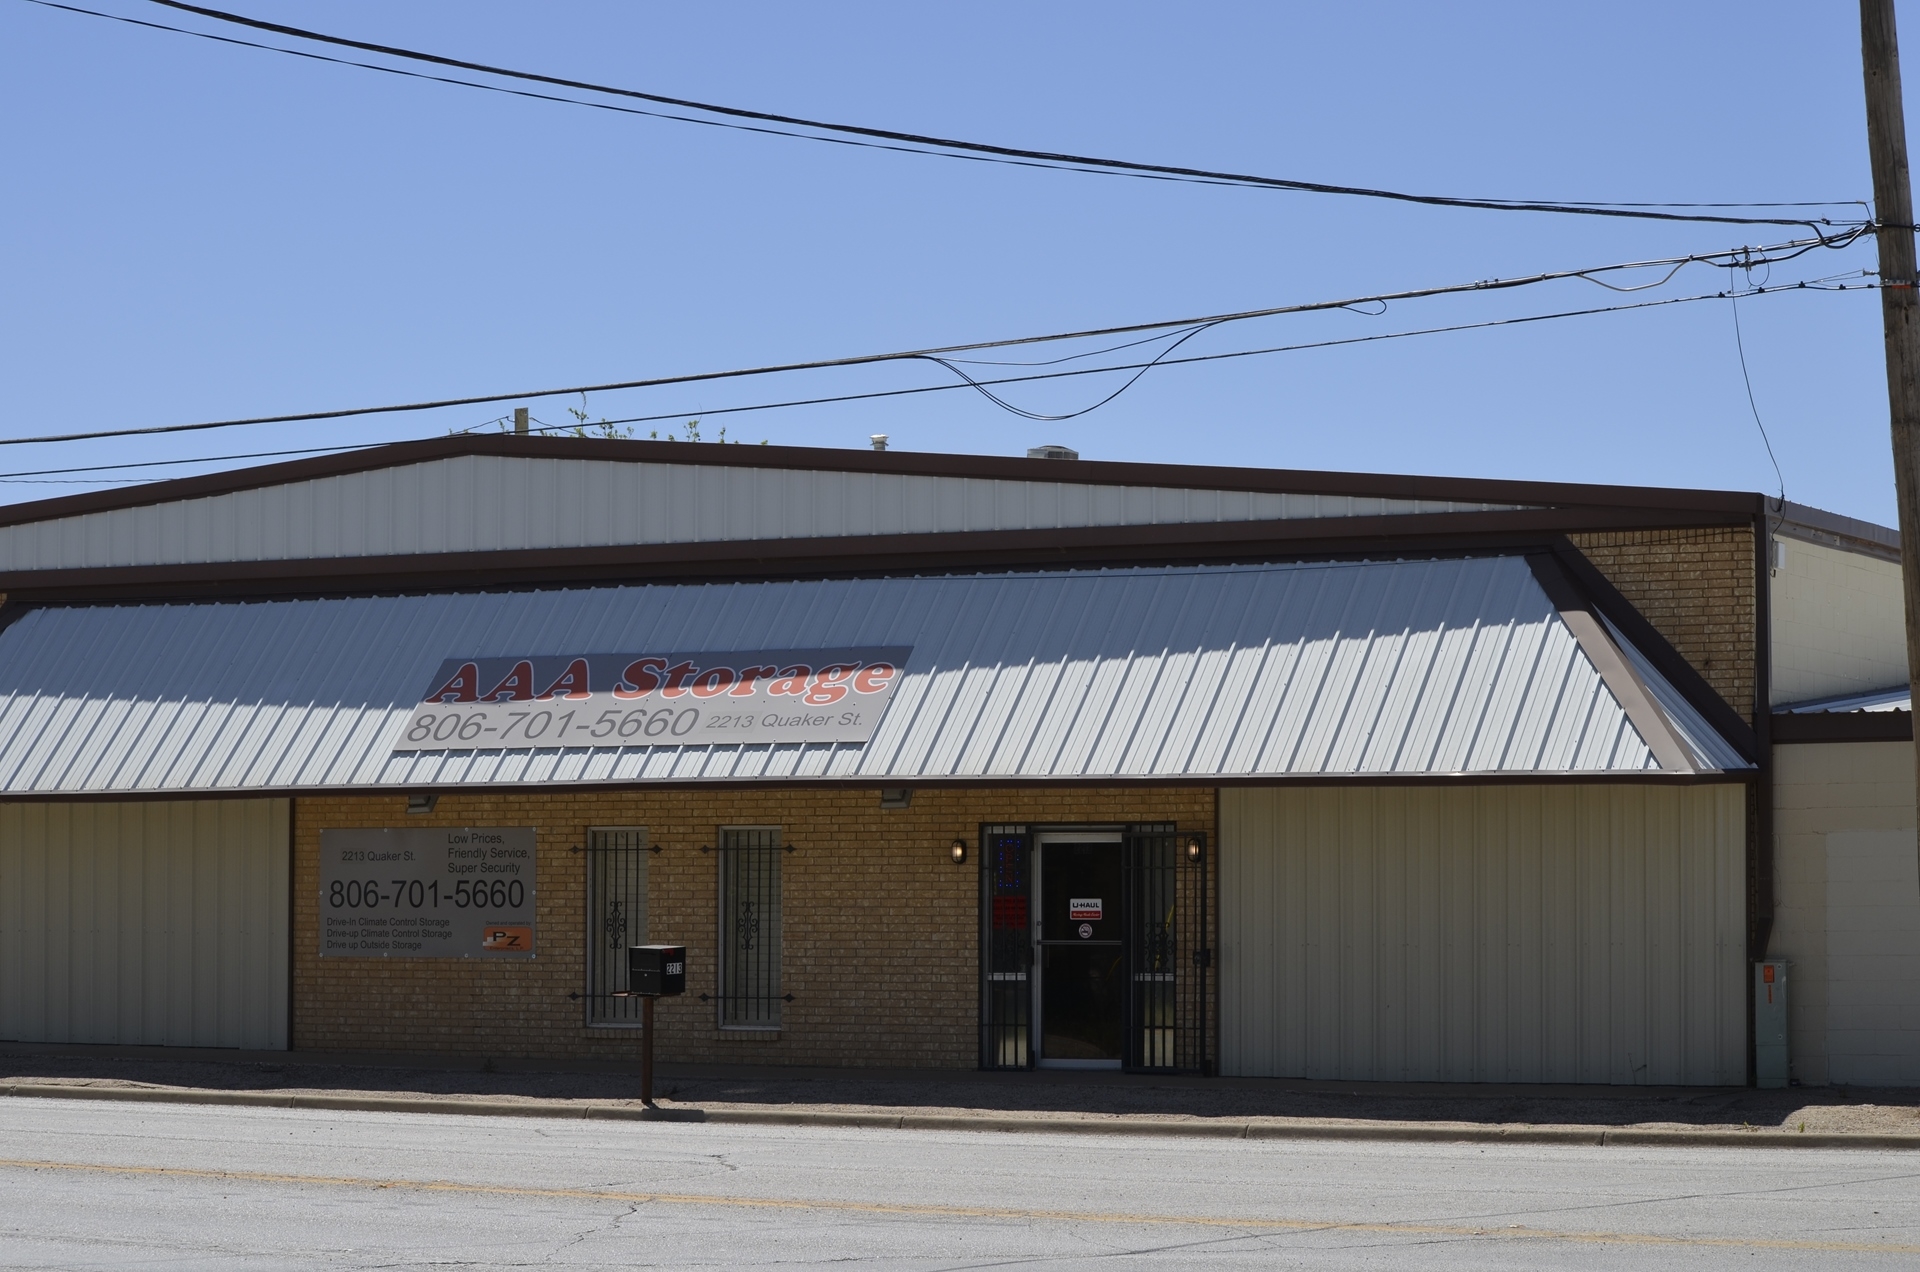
(1511,1232)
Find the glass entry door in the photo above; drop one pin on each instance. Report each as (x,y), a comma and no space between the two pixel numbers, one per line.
(1080,995)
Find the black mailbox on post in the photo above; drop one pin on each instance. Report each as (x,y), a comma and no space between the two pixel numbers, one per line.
(656,971)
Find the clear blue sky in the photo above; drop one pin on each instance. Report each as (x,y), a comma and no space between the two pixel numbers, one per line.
(195,231)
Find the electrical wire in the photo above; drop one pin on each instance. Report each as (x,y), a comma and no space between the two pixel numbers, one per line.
(1743,257)
(76,481)
(1158,360)
(1807,285)
(1746,378)
(766,122)
(1071,357)
(198,459)
(1823,284)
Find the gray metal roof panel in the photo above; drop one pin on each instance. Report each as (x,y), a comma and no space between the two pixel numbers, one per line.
(1388,668)
(1894,698)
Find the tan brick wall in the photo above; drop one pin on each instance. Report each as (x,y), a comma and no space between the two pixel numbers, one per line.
(1697,589)
(879,928)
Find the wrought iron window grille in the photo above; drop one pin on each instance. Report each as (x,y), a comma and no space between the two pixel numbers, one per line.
(748,995)
(617,859)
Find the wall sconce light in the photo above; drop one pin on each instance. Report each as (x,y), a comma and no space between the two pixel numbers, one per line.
(420,805)
(1194,848)
(959,851)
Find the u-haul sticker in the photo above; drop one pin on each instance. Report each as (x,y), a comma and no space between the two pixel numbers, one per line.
(1083,908)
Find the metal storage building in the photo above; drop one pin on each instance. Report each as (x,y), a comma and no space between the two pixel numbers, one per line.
(1374,777)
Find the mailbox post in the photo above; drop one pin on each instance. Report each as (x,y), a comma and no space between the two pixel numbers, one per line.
(653,971)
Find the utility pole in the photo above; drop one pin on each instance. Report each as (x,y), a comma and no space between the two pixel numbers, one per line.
(1893,211)
(519,419)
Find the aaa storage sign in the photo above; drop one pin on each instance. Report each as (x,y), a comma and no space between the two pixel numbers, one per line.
(614,700)
(442,893)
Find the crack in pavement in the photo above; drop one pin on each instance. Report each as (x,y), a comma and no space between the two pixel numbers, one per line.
(917,1210)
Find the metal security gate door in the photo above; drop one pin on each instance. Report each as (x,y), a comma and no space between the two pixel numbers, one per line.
(1041,1000)
(1168,950)
(1006,948)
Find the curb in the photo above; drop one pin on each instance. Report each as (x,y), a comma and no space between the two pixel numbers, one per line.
(1378,1132)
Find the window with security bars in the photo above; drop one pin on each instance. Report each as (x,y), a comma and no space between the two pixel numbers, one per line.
(749,937)
(1006,947)
(617,860)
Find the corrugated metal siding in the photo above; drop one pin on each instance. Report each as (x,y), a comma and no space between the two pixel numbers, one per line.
(1410,667)
(1485,934)
(481,503)
(157,923)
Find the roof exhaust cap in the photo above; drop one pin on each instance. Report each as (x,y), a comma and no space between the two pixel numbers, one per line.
(1051,451)
(879,440)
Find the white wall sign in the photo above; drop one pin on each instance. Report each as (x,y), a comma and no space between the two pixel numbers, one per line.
(427,893)
(680,699)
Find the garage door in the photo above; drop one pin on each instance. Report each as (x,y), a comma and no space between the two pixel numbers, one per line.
(160,923)
(1484,934)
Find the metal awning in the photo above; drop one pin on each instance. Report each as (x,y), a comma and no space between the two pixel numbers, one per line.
(1391,669)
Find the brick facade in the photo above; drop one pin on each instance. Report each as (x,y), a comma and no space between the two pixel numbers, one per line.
(1697,589)
(879,928)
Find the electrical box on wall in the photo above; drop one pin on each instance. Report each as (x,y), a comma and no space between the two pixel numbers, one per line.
(656,971)
(1770,1023)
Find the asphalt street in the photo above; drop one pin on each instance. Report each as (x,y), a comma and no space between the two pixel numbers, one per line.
(97,1185)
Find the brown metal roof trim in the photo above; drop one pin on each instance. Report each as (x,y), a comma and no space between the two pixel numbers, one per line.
(1838,525)
(1652,724)
(1091,546)
(1572,581)
(1831,529)
(1086,471)
(1350,780)
(1842,726)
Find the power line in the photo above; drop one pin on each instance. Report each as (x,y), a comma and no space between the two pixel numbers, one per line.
(198,459)
(1732,258)
(1805,285)
(770,123)
(1740,345)
(75,481)
(1809,285)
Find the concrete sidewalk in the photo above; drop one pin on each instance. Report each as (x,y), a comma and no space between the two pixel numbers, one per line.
(1069,1102)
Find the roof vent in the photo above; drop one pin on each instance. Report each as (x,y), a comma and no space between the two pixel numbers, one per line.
(1052,452)
(879,440)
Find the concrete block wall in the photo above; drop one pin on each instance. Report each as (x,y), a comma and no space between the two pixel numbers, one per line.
(1847,911)
(1839,623)
(1697,589)
(879,927)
